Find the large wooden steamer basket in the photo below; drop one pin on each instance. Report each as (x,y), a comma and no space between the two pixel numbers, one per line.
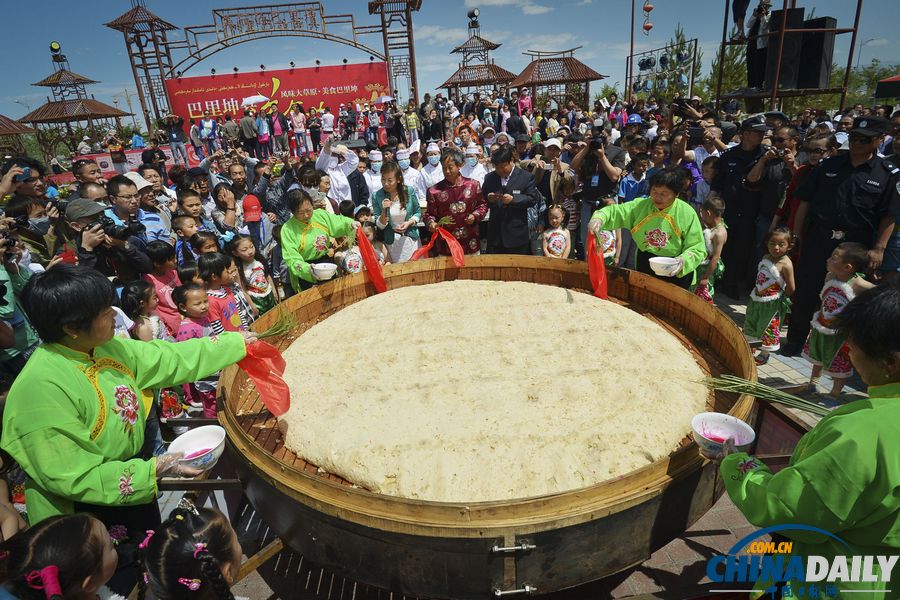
(471,551)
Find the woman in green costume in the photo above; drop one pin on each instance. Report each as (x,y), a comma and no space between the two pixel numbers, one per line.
(844,475)
(75,417)
(661,224)
(306,237)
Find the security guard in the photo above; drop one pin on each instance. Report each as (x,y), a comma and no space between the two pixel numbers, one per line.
(852,197)
(742,206)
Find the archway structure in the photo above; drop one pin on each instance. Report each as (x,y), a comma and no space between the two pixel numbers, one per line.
(151,52)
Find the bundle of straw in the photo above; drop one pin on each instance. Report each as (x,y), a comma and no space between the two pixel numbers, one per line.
(446,221)
(285,323)
(732,383)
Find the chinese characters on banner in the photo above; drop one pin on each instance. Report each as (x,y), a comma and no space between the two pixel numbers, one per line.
(314,87)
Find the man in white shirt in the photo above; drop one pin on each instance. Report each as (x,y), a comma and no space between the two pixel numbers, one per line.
(432,170)
(412,177)
(473,169)
(338,169)
(327,124)
(372,175)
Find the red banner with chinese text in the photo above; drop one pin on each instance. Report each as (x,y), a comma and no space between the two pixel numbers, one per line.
(315,87)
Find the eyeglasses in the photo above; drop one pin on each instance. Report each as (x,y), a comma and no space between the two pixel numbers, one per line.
(128,197)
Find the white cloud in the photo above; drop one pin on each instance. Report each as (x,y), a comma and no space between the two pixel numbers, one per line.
(435,34)
(879,42)
(585,2)
(528,6)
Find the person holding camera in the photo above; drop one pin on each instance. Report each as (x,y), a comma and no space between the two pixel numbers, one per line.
(771,175)
(102,244)
(758,44)
(599,166)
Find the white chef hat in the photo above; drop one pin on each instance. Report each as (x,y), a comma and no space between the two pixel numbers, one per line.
(402,155)
(432,147)
(472,149)
(375,155)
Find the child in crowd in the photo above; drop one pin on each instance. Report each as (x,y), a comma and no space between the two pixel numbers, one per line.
(139,303)
(189,203)
(362,213)
(825,347)
(635,184)
(708,170)
(204,242)
(346,208)
(770,297)
(184,226)
(189,273)
(164,278)
(218,274)
(253,273)
(557,242)
(715,235)
(659,156)
(194,554)
(351,260)
(70,556)
(193,304)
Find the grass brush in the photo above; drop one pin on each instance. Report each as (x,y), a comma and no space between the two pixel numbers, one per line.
(732,383)
(285,324)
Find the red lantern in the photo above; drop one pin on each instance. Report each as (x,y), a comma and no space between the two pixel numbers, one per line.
(648,7)
(648,26)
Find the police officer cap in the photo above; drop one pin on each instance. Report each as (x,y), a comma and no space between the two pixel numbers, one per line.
(755,123)
(870,126)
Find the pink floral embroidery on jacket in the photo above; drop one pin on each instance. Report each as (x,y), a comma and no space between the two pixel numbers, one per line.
(126,406)
(656,238)
(126,485)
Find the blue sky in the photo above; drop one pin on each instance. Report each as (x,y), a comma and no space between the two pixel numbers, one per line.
(600,26)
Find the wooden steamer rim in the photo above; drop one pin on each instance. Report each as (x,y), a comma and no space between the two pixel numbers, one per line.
(706,330)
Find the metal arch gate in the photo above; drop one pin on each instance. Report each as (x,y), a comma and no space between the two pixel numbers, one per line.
(150,50)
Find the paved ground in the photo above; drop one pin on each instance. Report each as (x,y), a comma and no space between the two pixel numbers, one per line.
(675,571)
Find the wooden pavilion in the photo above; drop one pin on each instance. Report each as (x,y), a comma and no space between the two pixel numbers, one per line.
(558,76)
(11,133)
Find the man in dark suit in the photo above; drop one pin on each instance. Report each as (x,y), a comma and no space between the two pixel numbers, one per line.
(510,192)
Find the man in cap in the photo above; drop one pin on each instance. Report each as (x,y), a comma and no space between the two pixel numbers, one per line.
(634,124)
(373,174)
(742,206)
(111,256)
(776,119)
(555,180)
(432,171)
(157,222)
(851,197)
(473,169)
(338,162)
(84,146)
(522,146)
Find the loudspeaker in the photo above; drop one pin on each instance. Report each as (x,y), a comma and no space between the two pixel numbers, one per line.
(816,54)
(790,54)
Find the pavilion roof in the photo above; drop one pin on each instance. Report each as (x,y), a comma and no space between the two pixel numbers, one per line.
(555,70)
(139,18)
(475,43)
(475,75)
(68,111)
(11,127)
(64,77)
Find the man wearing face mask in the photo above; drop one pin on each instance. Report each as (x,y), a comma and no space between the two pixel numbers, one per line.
(411,177)
(432,171)
(338,162)
(473,169)
(373,174)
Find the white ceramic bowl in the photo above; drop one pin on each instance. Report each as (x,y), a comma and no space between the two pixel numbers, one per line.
(323,271)
(711,429)
(664,266)
(202,446)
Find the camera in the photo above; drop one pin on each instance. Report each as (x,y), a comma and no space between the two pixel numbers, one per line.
(598,142)
(118,232)
(59,204)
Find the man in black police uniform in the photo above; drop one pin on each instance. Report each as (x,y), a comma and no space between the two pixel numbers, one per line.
(742,205)
(848,198)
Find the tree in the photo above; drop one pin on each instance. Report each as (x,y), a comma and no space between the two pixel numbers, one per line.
(734,73)
(607,90)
